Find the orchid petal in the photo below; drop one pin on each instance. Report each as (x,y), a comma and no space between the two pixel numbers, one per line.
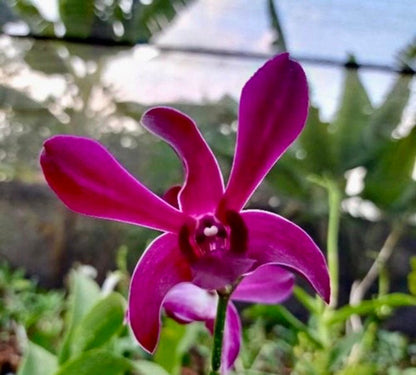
(232,337)
(188,303)
(269,284)
(204,186)
(273,110)
(89,180)
(171,196)
(161,267)
(275,240)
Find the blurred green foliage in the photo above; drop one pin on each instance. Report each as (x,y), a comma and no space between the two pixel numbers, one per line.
(359,136)
(407,56)
(93,337)
(411,278)
(323,347)
(97,20)
(24,303)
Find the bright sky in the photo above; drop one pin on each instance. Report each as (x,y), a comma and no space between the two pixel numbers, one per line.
(48,9)
(374,30)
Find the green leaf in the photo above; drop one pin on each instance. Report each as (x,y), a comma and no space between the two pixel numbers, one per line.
(351,119)
(278,314)
(309,302)
(147,19)
(37,361)
(43,57)
(371,306)
(342,348)
(101,323)
(147,367)
(175,341)
(391,349)
(407,57)
(83,293)
(77,16)
(400,371)
(388,182)
(288,177)
(317,143)
(359,369)
(411,277)
(388,116)
(96,361)
(31,15)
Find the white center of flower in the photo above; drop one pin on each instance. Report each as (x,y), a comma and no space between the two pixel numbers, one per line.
(211,231)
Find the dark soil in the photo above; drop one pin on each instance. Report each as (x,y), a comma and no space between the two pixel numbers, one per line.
(10,355)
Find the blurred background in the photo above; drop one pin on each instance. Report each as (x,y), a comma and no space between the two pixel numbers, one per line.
(92,67)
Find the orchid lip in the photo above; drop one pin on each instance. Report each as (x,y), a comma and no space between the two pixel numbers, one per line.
(215,249)
(208,234)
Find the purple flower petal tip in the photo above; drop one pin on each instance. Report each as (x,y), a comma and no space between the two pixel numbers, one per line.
(275,240)
(273,110)
(161,267)
(204,185)
(89,180)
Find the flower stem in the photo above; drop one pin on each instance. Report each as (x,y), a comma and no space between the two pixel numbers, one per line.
(223,298)
(334,204)
(334,200)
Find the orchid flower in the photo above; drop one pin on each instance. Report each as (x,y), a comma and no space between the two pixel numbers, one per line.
(208,240)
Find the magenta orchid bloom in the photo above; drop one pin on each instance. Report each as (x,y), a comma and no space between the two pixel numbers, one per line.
(209,241)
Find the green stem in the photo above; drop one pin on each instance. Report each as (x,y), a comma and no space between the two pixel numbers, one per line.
(334,200)
(223,298)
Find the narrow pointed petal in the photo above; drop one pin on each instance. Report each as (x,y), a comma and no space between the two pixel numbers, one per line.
(275,240)
(232,338)
(204,186)
(161,267)
(269,284)
(273,110)
(89,180)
